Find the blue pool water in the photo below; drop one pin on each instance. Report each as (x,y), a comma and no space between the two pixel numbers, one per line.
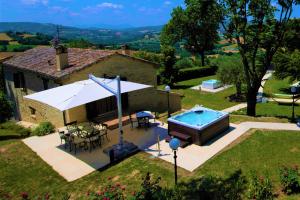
(211,81)
(198,118)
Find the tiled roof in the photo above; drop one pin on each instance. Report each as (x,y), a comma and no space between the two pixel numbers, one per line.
(42,60)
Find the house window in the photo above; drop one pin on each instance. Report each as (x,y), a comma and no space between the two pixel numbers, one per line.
(32,111)
(19,80)
(45,83)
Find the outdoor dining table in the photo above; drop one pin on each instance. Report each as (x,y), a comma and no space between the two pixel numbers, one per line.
(143,118)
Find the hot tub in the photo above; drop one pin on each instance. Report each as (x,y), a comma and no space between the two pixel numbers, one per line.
(211,84)
(201,123)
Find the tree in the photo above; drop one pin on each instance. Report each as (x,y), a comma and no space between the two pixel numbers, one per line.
(5,107)
(230,71)
(292,38)
(258,34)
(287,64)
(81,43)
(197,26)
(169,72)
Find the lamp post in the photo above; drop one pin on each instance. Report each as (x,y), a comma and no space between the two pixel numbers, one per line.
(293,90)
(174,144)
(168,89)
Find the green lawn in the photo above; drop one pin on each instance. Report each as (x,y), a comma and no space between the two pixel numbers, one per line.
(237,119)
(263,151)
(191,97)
(272,109)
(23,171)
(275,86)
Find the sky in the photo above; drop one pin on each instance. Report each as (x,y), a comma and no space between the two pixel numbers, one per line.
(89,12)
(92,13)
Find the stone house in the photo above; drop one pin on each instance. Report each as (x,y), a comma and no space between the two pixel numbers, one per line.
(44,68)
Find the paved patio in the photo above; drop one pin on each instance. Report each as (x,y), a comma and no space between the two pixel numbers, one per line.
(72,167)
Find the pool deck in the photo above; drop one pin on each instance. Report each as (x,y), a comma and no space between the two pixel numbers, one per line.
(200,88)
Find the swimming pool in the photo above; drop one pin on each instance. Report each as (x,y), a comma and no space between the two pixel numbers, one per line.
(201,123)
(211,84)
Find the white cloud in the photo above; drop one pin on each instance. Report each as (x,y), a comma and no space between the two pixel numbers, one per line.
(34,2)
(110,5)
(167,3)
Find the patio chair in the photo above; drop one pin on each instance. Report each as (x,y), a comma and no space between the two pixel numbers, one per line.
(78,141)
(93,140)
(133,120)
(102,128)
(144,122)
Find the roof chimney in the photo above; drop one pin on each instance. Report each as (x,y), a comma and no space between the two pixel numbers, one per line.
(61,57)
(125,50)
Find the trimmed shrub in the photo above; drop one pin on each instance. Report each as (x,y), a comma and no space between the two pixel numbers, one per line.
(6,110)
(12,129)
(290,179)
(196,72)
(260,188)
(43,128)
(184,63)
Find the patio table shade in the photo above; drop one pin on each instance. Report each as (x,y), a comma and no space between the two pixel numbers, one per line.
(81,92)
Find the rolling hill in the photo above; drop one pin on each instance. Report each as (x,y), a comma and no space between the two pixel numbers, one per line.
(94,35)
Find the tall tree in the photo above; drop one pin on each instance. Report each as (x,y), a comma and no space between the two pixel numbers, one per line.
(230,71)
(197,25)
(169,72)
(259,34)
(287,65)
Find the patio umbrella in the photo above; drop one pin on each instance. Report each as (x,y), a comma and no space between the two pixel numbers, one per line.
(81,92)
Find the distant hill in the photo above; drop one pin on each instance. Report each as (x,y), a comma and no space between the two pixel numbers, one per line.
(95,35)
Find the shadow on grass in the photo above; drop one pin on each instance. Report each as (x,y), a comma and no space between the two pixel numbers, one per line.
(182,87)
(212,187)
(11,137)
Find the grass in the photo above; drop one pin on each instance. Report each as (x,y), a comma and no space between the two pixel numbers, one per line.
(272,109)
(264,151)
(237,119)
(191,97)
(10,130)
(275,86)
(5,37)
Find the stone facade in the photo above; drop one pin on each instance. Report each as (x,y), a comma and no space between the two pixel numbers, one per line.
(132,69)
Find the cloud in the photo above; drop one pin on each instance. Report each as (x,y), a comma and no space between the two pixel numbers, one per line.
(167,3)
(58,9)
(102,6)
(110,5)
(34,2)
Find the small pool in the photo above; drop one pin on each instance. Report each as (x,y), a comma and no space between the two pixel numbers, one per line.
(211,84)
(198,117)
(201,123)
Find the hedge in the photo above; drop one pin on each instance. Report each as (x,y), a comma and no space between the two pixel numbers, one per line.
(195,72)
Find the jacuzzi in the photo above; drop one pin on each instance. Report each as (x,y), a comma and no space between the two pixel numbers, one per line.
(211,84)
(201,123)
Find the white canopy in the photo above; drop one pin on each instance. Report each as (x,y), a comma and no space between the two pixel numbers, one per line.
(81,92)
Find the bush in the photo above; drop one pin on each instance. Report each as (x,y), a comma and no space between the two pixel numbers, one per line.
(6,110)
(111,191)
(260,188)
(11,128)
(195,72)
(150,189)
(43,128)
(290,179)
(184,63)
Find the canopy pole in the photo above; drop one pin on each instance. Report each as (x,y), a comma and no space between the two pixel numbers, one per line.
(119,103)
(119,99)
